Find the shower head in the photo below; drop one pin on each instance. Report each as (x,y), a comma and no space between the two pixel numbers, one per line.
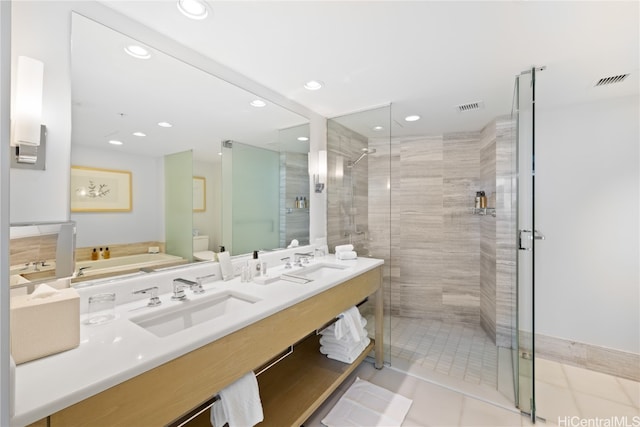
(365,152)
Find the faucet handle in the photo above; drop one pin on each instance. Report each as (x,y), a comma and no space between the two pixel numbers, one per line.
(153,299)
(288,259)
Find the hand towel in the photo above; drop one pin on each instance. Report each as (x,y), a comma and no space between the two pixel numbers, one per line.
(348,324)
(346,255)
(331,329)
(343,248)
(240,402)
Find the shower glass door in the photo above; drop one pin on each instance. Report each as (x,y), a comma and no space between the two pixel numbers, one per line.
(526,235)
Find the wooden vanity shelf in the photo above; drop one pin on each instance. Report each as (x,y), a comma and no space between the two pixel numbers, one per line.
(293,389)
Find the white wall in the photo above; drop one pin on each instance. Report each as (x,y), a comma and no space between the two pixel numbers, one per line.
(587,197)
(145,222)
(6,395)
(42,30)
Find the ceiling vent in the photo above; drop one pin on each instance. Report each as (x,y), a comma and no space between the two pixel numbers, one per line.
(472,106)
(611,80)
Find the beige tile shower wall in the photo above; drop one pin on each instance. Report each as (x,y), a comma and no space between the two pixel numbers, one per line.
(294,182)
(461,257)
(488,232)
(439,262)
(384,217)
(343,220)
(505,233)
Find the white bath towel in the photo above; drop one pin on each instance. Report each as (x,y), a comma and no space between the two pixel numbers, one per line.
(343,248)
(240,404)
(346,255)
(348,325)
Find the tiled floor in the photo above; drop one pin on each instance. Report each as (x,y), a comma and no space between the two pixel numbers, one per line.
(461,352)
(566,394)
(442,369)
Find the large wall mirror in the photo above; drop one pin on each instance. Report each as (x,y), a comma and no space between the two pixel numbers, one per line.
(135,109)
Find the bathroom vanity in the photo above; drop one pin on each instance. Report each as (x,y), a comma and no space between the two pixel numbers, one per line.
(177,375)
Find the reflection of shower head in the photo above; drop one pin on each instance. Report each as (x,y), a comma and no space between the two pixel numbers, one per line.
(365,152)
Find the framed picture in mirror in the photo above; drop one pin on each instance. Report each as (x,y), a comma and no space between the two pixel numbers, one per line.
(100,190)
(199,194)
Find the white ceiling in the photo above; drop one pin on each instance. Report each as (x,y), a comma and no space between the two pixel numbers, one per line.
(424,57)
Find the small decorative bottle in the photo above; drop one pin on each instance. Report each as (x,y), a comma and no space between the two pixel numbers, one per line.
(107,253)
(94,255)
(101,254)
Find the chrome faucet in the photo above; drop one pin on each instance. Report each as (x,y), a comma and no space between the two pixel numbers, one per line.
(302,258)
(201,280)
(288,262)
(180,284)
(153,291)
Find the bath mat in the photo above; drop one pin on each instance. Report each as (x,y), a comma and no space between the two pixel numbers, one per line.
(367,405)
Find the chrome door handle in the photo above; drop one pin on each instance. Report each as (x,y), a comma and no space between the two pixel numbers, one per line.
(536,235)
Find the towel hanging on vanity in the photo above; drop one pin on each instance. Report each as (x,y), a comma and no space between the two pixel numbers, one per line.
(239,404)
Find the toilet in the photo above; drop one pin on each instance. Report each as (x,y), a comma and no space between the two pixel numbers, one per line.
(201,250)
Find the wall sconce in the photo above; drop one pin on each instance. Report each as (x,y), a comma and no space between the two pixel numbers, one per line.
(318,169)
(26,118)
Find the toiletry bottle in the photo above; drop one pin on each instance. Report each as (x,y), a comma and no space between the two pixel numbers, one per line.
(101,254)
(304,202)
(477,201)
(107,253)
(94,255)
(483,200)
(297,203)
(254,265)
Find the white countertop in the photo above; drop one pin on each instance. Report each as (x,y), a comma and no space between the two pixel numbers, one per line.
(114,352)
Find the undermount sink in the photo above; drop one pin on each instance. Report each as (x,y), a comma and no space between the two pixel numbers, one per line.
(171,320)
(316,271)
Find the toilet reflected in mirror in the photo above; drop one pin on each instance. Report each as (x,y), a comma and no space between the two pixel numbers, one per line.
(201,250)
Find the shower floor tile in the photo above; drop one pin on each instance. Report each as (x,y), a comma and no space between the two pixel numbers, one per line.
(462,352)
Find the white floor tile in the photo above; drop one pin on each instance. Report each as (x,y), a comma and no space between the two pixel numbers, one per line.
(596,384)
(478,413)
(592,407)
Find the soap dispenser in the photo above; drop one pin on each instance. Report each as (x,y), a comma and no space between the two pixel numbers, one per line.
(254,265)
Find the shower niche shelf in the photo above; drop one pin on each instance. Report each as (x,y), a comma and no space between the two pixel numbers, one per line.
(484,211)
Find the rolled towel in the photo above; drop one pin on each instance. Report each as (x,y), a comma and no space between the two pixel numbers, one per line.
(343,248)
(239,404)
(346,255)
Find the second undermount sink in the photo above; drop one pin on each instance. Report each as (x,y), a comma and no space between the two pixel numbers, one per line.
(168,321)
(316,271)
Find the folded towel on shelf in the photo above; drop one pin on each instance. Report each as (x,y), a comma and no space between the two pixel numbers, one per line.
(342,354)
(343,248)
(346,255)
(348,325)
(239,404)
(331,329)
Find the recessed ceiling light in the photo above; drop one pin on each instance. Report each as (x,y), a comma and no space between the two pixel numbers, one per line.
(377,128)
(139,134)
(303,138)
(194,9)
(115,142)
(165,124)
(412,118)
(313,85)
(258,103)
(137,51)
